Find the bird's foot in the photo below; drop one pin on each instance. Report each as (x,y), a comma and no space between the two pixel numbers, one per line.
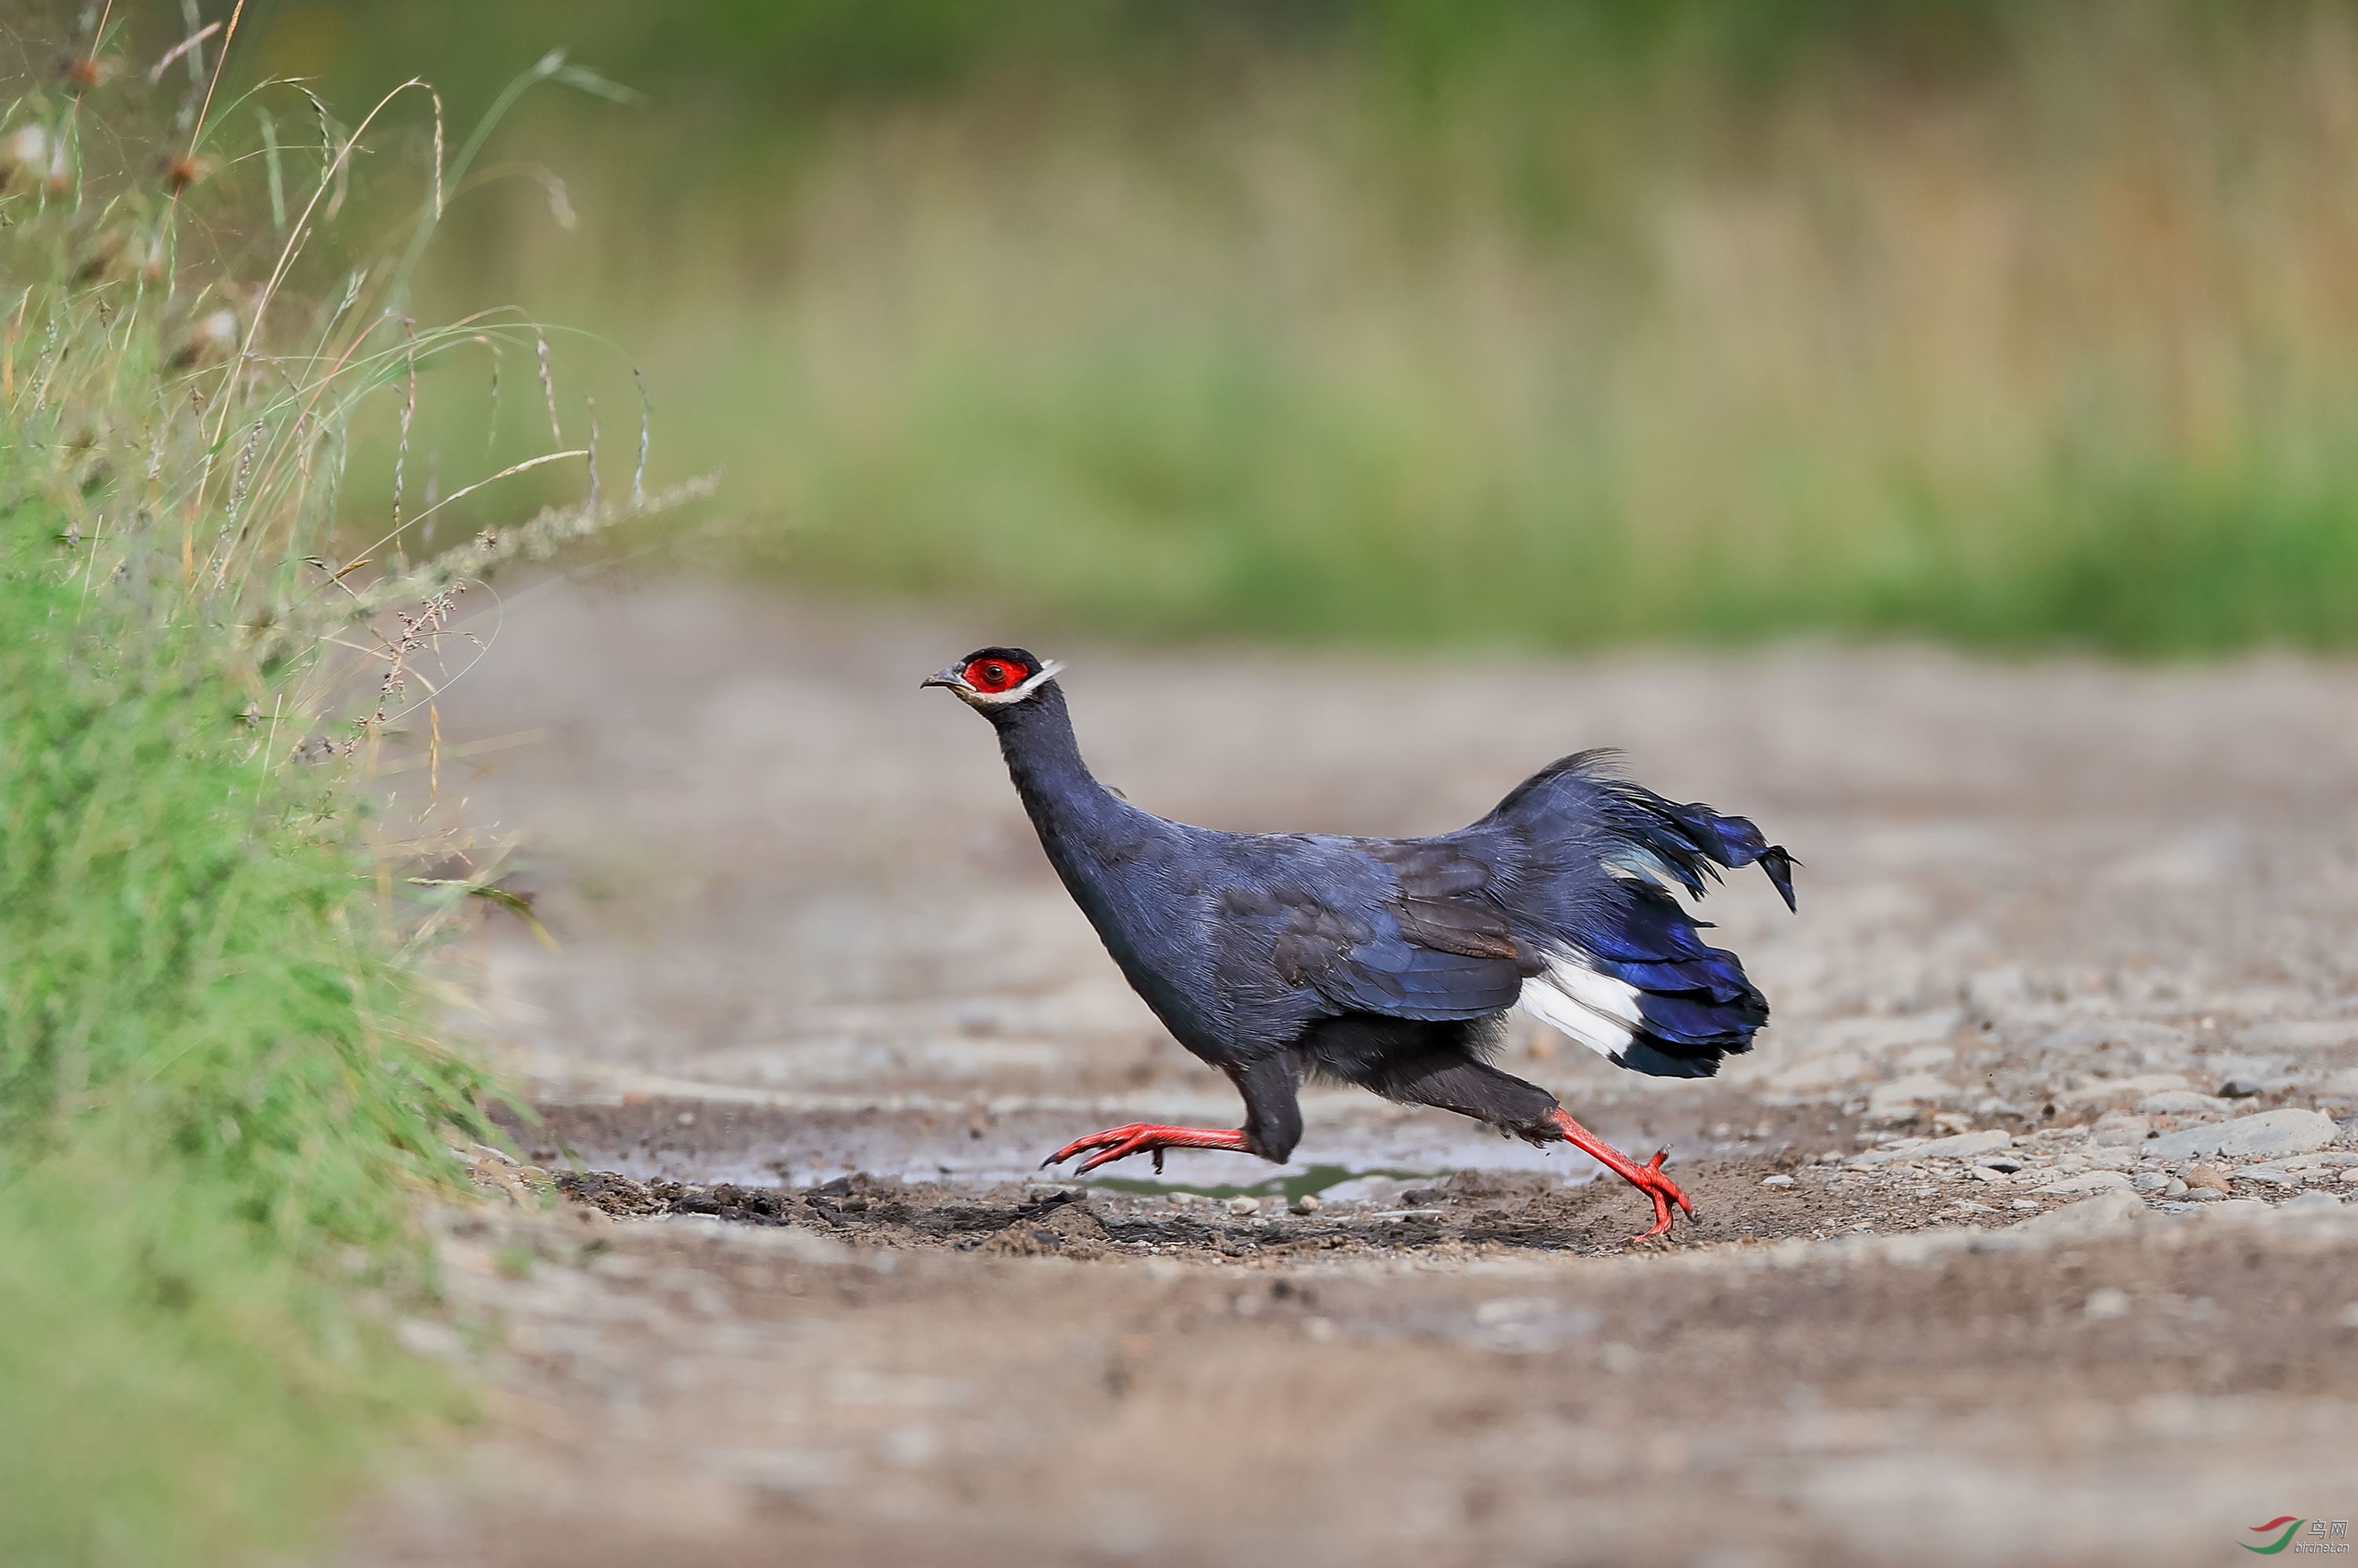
(1141,1138)
(1649,1178)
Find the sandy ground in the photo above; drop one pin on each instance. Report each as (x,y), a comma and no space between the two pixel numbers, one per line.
(1974,1279)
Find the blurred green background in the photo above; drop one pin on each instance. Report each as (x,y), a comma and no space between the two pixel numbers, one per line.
(1457,322)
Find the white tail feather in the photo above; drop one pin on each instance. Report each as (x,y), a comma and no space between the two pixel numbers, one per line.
(1597,1010)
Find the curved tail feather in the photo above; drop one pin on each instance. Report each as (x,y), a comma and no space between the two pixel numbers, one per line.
(1629,974)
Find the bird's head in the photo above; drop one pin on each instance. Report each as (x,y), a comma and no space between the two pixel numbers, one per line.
(995,679)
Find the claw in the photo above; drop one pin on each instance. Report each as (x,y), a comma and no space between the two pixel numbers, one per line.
(1649,1178)
(1141,1138)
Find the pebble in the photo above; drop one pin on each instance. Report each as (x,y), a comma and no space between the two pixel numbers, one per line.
(2114,1129)
(1241,1205)
(2105,1209)
(2202,1194)
(2351,1175)
(2106,1302)
(2174,1188)
(2264,1136)
(1961,1146)
(2130,1032)
(2178,1102)
(1307,1203)
(2206,1175)
(2007,1164)
(1777,1181)
(2269,1175)
(2149,1180)
(2085,1183)
(1899,1099)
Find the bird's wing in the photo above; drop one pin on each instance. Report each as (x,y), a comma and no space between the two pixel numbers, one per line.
(1420,940)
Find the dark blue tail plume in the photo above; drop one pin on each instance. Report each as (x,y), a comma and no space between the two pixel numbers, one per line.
(1733,842)
(1693,1002)
(1692,843)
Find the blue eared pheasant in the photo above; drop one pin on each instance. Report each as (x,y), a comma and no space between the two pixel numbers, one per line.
(1390,963)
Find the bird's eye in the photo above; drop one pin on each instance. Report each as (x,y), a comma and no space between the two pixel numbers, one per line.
(994,675)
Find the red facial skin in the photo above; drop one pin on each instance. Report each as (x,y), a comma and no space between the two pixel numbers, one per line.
(996,675)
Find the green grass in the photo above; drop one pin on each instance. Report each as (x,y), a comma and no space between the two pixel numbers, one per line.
(2009,325)
(209,1090)
(219,1100)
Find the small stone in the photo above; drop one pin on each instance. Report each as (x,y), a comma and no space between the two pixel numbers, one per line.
(1778,1181)
(2006,1163)
(1962,1145)
(2135,1034)
(2116,1130)
(2025,1202)
(2202,1194)
(2205,1175)
(2266,1136)
(2351,1175)
(2149,1180)
(2240,1088)
(2105,1304)
(2086,1184)
(1990,1173)
(1241,1205)
(2173,1188)
(2268,1175)
(2105,1209)
(2178,1102)
(1307,1203)
(2316,1197)
(1901,1099)
(1994,992)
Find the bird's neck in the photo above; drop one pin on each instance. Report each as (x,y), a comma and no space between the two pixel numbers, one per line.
(1079,819)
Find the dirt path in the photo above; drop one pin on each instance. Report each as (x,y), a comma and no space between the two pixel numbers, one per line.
(820,1007)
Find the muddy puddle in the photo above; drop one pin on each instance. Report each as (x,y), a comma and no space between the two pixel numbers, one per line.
(973,1177)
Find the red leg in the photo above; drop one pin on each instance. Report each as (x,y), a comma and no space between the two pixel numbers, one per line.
(1647,1178)
(1141,1138)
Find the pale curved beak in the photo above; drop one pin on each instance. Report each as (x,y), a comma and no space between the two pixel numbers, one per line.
(948,676)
